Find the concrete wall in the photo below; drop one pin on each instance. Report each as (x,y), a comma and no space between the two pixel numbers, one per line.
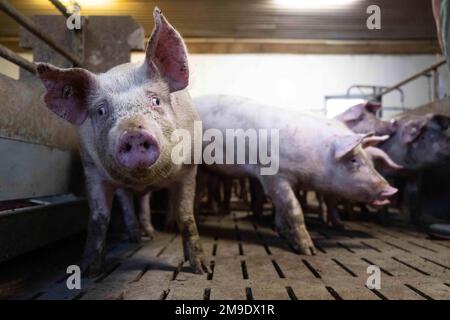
(300,81)
(303,81)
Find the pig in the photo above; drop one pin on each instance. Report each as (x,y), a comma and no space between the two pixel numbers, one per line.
(417,143)
(314,152)
(362,118)
(420,141)
(125,118)
(379,160)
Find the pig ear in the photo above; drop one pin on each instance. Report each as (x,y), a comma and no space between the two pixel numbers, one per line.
(381,158)
(442,121)
(370,141)
(167,52)
(351,113)
(344,146)
(67,91)
(372,107)
(412,130)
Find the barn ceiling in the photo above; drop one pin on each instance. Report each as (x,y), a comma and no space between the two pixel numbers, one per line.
(256,19)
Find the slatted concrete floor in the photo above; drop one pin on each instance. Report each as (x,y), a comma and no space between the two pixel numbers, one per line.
(250,261)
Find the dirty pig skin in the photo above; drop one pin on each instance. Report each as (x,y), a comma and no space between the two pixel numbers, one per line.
(125,119)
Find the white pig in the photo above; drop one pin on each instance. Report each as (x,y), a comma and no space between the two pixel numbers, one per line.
(125,120)
(314,153)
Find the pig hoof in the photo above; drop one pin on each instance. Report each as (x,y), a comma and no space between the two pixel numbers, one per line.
(194,253)
(303,243)
(149,232)
(306,249)
(199,266)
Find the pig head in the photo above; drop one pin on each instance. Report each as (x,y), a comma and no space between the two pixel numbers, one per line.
(362,118)
(420,141)
(125,118)
(352,173)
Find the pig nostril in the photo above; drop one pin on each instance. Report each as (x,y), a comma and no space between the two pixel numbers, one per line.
(128,147)
(146,145)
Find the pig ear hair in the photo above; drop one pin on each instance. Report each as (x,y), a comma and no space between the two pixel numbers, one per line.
(67,91)
(167,53)
(344,146)
(442,121)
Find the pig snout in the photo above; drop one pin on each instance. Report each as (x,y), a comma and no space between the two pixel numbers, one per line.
(383,197)
(137,149)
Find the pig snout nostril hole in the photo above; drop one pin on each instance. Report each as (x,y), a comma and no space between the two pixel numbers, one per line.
(128,147)
(146,145)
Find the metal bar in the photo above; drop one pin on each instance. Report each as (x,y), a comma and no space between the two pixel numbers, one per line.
(16,59)
(61,8)
(30,26)
(413,77)
(435,85)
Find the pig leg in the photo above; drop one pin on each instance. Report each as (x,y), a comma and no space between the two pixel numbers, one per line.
(129,214)
(243,190)
(145,216)
(227,184)
(257,198)
(289,218)
(303,198)
(181,201)
(213,195)
(170,222)
(333,213)
(323,214)
(100,195)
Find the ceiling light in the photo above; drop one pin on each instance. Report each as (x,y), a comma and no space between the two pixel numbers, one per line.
(88,3)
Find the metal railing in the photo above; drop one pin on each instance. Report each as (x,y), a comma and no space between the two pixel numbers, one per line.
(425,72)
(28,24)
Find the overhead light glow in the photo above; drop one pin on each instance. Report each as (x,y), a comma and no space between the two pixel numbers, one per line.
(88,3)
(313,4)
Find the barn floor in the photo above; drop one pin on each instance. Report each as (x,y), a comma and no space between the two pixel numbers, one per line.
(250,261)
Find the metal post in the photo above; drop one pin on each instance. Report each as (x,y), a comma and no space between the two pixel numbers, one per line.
(61,8)
(15,58)
(435,85)
(30,26)
(413,77)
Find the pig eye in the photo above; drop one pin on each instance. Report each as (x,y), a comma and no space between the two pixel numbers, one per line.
(155,102)
(101,111)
